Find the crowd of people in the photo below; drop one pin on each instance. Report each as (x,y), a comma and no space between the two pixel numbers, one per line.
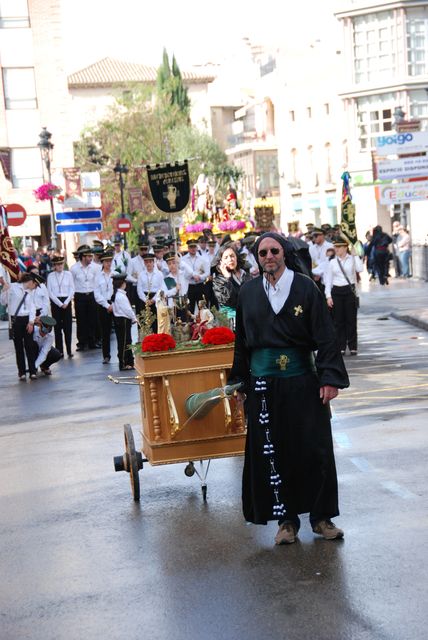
(107,289)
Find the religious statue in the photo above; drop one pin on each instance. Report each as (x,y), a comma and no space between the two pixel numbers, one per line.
(204,320)
(164,320)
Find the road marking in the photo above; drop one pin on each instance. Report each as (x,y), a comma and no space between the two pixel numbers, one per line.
(362,464)
(342,440)
(397,490)
(410,386)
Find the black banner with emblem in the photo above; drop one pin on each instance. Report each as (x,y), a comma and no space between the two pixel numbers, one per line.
(347,222)
(169,186)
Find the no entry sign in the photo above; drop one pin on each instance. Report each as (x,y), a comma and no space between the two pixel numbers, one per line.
(15,214)
(123,224)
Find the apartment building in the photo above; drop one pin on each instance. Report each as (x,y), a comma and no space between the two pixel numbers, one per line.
(33,86)
(385,68)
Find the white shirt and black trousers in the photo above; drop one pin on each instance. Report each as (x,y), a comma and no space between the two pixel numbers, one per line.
(84,305)
(21,315)
(344,311)
(61,290)
(123,318)
(46,354)
(103,293)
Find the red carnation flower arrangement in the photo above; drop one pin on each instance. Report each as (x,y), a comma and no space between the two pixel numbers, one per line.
(218,335)
(158,342)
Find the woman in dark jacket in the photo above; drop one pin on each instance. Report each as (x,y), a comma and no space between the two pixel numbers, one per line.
(228,278)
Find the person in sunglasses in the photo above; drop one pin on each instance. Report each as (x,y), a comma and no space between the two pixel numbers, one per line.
(43,338)
(289,363)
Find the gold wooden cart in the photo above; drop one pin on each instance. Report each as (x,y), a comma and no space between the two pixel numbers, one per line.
(169,435)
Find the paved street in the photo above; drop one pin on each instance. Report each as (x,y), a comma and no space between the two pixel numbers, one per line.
(79,559)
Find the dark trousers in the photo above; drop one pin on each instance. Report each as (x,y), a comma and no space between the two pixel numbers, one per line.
(53,356)
(194,294)
(381,263)
(24,345)
(64,323)
(345,317)
(122,328)
(105,319)
(86,319)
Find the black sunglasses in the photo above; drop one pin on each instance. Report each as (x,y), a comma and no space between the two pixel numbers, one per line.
(274,251)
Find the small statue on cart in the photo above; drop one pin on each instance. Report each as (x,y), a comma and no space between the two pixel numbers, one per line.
(181,331)
(204,320)
(163,313)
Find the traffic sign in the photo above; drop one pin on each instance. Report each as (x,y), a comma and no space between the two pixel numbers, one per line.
(15,214)
(123,224)
(79,227)
(82,214)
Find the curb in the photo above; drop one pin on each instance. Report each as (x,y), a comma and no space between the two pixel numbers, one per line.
(417,322)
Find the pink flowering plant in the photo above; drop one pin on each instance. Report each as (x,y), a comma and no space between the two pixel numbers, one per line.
(199,227)
(232,225)
(46,191)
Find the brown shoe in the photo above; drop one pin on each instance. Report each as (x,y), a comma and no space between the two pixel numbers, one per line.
(328,530)
(287,533)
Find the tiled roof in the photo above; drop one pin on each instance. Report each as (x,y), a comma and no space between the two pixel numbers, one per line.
(109,71)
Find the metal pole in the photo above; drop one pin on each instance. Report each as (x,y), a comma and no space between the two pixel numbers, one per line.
(53,230)
(122,201)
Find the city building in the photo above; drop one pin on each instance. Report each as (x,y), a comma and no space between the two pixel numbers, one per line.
(95,88)
(385,72)
(34,90)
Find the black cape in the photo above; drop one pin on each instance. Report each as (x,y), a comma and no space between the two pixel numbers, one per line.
(299,423)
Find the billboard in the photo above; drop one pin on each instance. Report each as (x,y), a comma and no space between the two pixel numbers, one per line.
(403,192)
(402,168)
(402,143)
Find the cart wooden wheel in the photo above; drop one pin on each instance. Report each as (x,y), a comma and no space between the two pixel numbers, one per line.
(132,460)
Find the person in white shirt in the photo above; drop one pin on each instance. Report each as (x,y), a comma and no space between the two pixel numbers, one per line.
(43,340)
(103,293)
(121,259)
(197,270)
(60,287)
(176,286)
(84,275)
(340,281)
(137,265)
(149,283)
(22,312)
(318,252)
(202,246)
(124,317)
(159,251)
(40,295)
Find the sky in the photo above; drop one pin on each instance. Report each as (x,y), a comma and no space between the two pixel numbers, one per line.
(197,32)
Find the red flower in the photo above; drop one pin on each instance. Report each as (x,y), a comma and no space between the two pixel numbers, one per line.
(158,342)
(218,335)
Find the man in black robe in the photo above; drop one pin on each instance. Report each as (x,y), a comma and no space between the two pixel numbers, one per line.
(289,469)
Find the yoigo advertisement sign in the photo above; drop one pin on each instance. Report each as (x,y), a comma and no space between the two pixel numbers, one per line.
(401,143)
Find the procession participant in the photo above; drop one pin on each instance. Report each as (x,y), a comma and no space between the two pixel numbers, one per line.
(103,293)
(176,286)
(98,251)
(289,469)
(121,258)
(148,284)
(379,244)
(202,246)
(46,355)
(196,271)
(60,287)
(124,317)
(84,276)
(20,301)
(40,295)
(212,258)
(228,278)
(247,243)
(340,280)
(159,251)
(318,252)
(136,267)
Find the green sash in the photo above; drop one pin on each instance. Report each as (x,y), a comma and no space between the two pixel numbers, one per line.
(281,363)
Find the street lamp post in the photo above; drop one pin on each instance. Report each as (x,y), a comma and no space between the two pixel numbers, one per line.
(121,170)
(45,145)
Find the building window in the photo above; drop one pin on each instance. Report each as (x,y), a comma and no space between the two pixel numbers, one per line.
(313,180)
(14,14)
(267,175)
(292,116)
(19,88)
(417,41)
(26,168)
(375,115)
(345,153)
(374,46)
(327,109)
(328,175)
(419,106)
(294,183)
(309,112)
